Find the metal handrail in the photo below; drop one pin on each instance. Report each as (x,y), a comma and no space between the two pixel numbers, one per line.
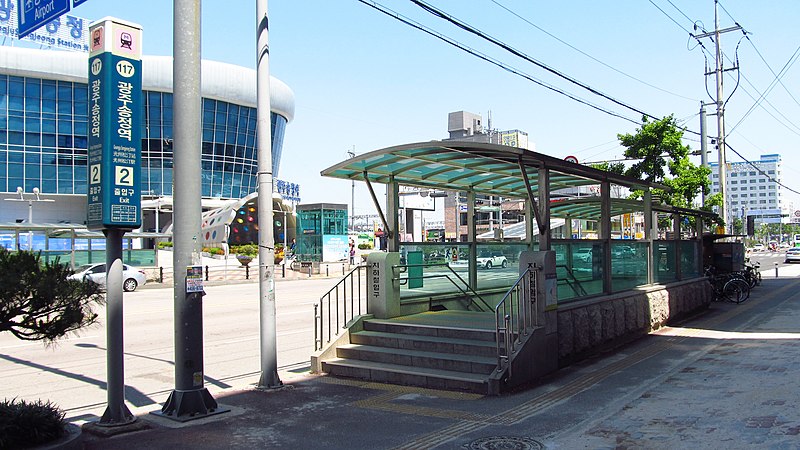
(514,319)
(357,293)
(403,268)
(576,281)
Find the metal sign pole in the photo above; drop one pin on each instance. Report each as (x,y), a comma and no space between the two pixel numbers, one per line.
(114,200)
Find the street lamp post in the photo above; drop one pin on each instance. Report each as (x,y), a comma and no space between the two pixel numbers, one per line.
(34,198)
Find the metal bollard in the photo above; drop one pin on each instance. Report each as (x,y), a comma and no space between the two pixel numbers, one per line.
(776,270)
(160,274)
(327,270)
(206,273)
(309,270)
(342,269)
(246,272)
(283,271)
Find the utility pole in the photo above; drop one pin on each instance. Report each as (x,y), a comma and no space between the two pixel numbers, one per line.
(718,72)
(266,237)
(703,145)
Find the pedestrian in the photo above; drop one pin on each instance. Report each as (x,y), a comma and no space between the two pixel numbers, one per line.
(352,253)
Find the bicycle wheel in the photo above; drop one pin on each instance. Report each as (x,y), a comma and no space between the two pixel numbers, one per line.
(733,291)
(745,287)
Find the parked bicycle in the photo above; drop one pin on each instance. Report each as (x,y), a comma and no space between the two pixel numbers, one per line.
(732,286)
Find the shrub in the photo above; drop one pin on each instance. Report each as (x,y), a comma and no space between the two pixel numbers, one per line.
(214,250)
(365,246)
(250,250)
(164,244)
(28,424)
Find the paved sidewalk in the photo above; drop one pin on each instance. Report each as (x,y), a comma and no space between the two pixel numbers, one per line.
(729,378)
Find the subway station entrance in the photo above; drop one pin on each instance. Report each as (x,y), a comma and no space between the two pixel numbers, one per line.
(584,257)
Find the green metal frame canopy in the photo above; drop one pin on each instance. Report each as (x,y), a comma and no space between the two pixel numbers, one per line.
(474,167)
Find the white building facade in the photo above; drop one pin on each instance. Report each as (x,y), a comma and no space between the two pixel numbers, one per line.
(754,189)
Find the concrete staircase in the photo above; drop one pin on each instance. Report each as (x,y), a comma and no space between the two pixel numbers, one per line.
(431,356)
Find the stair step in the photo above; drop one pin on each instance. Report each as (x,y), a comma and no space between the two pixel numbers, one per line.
(424,343)
(429,330)
(413,376)
(416,358)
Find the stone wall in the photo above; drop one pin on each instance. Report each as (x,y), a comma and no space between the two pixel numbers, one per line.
(598,324)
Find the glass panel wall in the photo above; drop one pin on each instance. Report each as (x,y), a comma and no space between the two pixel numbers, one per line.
(628,264)
(664,261)
(579,268)
(691,259)
(498,264)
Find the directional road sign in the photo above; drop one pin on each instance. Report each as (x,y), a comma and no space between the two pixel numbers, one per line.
(35,13)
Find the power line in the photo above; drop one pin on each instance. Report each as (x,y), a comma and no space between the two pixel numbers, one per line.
(761,171)
(464,26)
(772,85)
(588,55)
(484,57)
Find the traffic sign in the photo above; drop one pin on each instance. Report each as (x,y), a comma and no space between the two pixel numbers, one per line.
(35,13)
(572,159)
(115,120)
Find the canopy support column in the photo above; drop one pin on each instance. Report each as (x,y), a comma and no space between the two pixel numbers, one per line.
(543,218)
(531,198)
(676,235)
(473,248)
(648,233)
(605,233)
(392,206)
(376,203)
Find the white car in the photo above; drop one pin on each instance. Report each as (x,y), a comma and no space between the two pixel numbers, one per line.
(758,248)
(131,276)
(488,260)
(792,255)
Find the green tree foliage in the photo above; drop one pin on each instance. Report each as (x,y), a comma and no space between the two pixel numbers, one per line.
(662,158)
(613,167)
(650,145)
(38,301)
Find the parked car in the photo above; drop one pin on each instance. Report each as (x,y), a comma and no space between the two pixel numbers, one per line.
(792,255)
(488,260)
(132,277)
(622,251)
(582,254)
(758,248)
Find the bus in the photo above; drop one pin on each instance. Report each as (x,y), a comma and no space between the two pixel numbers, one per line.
(796,240)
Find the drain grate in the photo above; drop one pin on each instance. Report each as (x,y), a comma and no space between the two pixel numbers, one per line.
(504,443)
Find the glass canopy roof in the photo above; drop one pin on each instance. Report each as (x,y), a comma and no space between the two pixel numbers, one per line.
(469,166)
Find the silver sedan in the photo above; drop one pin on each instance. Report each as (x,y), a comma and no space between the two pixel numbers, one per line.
(131,276)
(792,255)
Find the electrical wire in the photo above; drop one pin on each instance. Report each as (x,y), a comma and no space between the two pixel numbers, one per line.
(470,29)
(759,170)
(489,59)
(772,85)
(588,55)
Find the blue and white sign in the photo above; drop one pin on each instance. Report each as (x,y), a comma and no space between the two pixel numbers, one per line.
(335,247)
(289,191)
(67,32)
(35,13)
(76,3)
(115,121)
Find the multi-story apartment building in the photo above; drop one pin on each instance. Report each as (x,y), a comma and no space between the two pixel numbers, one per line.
(753,188)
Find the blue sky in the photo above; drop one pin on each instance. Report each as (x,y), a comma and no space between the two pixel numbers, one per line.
(365,81)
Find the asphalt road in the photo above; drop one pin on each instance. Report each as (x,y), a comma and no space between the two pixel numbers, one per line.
(72,373)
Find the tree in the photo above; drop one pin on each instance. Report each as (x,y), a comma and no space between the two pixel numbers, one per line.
(39,302)
(662,158)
